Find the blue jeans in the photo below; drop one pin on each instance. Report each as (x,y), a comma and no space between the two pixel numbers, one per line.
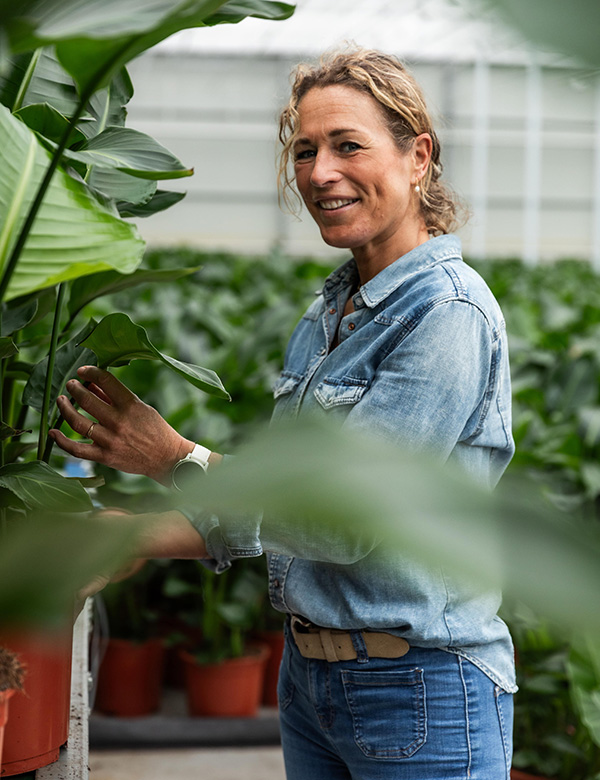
(430,715)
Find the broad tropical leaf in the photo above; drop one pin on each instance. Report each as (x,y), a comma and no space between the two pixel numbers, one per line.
(69,357)
(73,235)
(96,38)
(112,183)
(39,486)
(87,289)
(161,200)
(116,341)
(132,152)
(42,118)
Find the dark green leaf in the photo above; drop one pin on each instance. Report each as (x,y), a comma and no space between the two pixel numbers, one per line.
(115,184)
(237,10)
(42,118)
(7,432)
(88,288)
(17,314)
(39,486)
(163,199)
(7,347)
(132,152)
(107,106)
(117,341)
(69,357)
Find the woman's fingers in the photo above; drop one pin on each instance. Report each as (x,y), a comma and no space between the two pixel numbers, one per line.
(78,448)
(107,383)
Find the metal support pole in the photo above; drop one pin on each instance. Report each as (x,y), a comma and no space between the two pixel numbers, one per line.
(480,158)
(533,166)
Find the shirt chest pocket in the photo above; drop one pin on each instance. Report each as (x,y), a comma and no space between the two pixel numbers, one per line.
(342,394)
(283,392)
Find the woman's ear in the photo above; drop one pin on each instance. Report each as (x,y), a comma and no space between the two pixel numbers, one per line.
(422,148)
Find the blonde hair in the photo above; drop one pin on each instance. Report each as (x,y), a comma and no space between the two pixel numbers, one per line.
(403,107)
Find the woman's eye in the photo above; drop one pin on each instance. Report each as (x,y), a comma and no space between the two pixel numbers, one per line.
(349,146)
(305,154)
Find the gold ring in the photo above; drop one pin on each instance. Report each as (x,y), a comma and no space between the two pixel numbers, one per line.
(88,435)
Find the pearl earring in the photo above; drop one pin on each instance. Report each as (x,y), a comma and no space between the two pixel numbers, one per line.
(417,188)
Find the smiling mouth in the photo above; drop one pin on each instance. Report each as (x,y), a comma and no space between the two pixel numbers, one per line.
(333,205)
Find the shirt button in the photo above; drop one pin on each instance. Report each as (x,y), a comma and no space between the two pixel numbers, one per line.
(332,311)
(323,351)
(351,326)
(276,583)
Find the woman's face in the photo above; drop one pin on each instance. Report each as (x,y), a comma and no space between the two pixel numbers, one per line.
(357,185)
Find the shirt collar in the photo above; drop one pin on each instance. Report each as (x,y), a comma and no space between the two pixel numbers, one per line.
(434,251)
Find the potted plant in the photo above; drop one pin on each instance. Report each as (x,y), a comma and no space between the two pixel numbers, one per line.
(130,675)
(11,681)
(71,172)
(224,673)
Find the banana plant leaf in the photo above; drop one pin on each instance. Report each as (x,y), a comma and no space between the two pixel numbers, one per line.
(114,184)
(48,83)
(161,200)
(40,487)
(116,341)
(67,360)
(88,288)
(73,235)
(95,38)
(132,152)
(42,118)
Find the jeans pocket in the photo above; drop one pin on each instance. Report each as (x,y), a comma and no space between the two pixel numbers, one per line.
(388,710)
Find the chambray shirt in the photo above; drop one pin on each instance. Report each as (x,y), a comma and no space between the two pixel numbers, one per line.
(422,362)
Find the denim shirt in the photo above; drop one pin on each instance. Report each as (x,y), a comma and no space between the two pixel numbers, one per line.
(422,361)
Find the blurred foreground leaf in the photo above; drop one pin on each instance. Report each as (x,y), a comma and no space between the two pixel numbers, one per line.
(44,560)
(316,497)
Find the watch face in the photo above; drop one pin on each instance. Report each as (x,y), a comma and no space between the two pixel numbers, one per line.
(186,474)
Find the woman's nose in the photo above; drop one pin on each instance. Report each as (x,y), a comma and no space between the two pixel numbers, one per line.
(324,169)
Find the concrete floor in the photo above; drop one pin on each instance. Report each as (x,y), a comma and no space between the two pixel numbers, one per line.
(265,763)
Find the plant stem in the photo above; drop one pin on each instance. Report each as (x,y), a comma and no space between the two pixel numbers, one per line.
(26,80)
(50,370)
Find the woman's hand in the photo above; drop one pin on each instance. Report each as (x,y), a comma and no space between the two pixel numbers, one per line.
(129,435)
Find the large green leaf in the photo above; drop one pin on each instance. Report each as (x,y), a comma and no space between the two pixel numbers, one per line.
(570,28)
(87,289)
(112,183)
(40,487)
(106,107)
(95,38)
(236,10)
(132,152)
(42,118)
(116,341)
(69,357)
(73,235)
(160,200)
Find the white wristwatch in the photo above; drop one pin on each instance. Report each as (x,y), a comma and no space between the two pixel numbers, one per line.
(186,470)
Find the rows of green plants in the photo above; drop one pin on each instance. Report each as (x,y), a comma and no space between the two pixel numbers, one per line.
(235,315)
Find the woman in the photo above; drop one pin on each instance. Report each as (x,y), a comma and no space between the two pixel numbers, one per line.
(390,670)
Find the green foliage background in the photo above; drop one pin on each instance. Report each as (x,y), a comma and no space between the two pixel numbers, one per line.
(235,315)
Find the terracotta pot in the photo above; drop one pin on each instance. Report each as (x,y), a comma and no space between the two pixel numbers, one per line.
(231,689)
(275,640)
(516,774)
(130,678)
(4,697)
(39,715)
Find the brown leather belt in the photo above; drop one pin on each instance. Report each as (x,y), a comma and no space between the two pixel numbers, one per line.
(328,644)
